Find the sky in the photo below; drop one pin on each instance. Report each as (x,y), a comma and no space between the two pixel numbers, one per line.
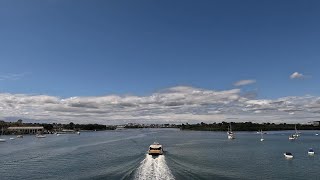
(116,61)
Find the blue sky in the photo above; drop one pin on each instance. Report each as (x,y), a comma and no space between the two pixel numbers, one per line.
(64,48)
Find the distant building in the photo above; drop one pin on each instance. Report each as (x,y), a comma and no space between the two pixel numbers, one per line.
(26,130)
(19,121)
(316,123)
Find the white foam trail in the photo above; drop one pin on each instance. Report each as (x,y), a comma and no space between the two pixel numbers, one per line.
(154,168)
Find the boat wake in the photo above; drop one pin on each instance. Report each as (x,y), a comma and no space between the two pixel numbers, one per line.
(154,168)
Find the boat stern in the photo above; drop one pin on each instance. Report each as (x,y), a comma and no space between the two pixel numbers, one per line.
(155,152)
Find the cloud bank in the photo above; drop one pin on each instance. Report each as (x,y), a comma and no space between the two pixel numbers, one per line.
(179,104)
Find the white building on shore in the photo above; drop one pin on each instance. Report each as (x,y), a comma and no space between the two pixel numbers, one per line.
(26,130)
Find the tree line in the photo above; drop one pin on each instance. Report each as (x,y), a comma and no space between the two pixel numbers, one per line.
(59,126)
(247,126)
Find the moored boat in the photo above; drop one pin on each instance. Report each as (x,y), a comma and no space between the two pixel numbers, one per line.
(311,151)
(2,140)
(230,133)
(19,136)
(296,134)
(40,136)
(261,139)
(288,155)
(292,137)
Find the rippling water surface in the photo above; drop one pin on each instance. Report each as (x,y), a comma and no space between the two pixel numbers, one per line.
(188,155)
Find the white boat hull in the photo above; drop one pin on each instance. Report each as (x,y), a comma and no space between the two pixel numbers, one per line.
(311,153)
(3,140)
(292,138)
(41,136)
(288,156)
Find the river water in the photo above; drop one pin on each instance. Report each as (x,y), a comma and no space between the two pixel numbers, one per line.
(188,155)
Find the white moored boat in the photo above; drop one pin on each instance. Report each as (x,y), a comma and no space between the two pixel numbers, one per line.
(288,155)
(311,151)
(2,140)
(230,133)
(19,136)
(155,149)
(261,139)
(296,134)
(292,137)
(40,136)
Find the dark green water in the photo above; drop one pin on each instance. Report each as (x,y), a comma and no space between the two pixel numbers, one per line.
(189,155)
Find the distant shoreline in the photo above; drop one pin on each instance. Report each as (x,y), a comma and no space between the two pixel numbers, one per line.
(248,126)
(223,126)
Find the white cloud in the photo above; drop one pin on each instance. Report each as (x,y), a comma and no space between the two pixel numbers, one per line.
(173,105)
(244,82)
(296,75)
(11,76)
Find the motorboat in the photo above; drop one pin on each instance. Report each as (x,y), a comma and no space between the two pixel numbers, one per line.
(12,138)
(230,133)
(40,136)
(317,134)
(19,136)
(292,137)
(155,149)
(288,155)
(78,132)
(311,152)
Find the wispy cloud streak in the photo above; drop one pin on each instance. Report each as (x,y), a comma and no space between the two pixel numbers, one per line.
(10,77)
(244,82)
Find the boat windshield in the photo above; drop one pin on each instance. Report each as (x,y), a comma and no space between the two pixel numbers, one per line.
(155,148)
